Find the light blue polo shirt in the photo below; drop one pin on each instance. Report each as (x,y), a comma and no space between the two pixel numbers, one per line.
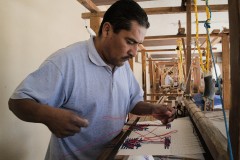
(77,79)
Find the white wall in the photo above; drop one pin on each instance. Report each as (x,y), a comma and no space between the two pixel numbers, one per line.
(30,30)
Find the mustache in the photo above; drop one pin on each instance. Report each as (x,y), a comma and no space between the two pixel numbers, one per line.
(130,55)
(127,57)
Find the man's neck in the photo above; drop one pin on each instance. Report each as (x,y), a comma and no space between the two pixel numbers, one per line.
(97,43)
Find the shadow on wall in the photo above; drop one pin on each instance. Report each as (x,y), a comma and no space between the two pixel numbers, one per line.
(21,140)
(10,151)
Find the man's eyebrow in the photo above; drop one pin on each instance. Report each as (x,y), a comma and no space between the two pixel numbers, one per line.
(133,40)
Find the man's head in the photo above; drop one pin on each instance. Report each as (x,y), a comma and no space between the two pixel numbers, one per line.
(123,28)
(121,13)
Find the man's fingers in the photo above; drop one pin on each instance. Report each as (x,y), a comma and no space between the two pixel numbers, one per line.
(164,121)
(81,122)
(171,118)
(65,134)
(74,129)
(171,112)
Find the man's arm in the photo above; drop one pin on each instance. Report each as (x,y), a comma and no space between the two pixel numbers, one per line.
(161,112)
(61,122)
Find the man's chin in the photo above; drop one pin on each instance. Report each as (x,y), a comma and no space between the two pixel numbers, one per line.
(120,64)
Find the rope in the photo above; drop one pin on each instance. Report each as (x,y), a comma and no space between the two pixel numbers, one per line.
(180,64)
(207,26)
(205,68)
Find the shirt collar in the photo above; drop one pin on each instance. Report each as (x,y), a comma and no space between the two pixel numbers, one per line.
(95,57)
(93,54)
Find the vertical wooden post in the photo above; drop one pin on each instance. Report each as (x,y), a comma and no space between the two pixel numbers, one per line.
(185,55)
(144,79)
(188,60)
(163,75)
(196,73)
(131,63)
(226,72)
(95,24)
(154,80)
(234,117)
(156,83)
(150,68)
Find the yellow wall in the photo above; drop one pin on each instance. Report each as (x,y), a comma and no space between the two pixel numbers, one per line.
(31,30)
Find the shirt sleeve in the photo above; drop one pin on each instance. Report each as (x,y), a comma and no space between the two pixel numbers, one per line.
(45,86)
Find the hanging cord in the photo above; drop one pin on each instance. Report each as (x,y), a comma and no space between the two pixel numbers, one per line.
(180,63)
(197,41)
(207,26)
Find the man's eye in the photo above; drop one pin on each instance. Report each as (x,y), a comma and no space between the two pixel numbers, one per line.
(130,42)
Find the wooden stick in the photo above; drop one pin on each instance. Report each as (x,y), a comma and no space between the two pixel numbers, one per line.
(214,139)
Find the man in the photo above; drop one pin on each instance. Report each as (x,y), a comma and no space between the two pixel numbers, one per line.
(168,79)
(84,92)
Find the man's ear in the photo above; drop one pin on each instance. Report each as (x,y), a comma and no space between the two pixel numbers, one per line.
(107,27)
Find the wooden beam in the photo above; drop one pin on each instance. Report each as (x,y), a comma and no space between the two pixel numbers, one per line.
(164,94)
(161,42)
(89,5)
(168,50)
(204,44)
(168,10)
(188,43)
(214,139)
(184,47)
(196,74)
(144,79)
(156,83)
(95,24)
(226,72)
(141,47)
(109,2)
(178,36)
(169,63)
(174,55)
(234,119)
(131,63)
(214,40)
(151,101)
(172,39)
(163,62)
(154,68)
(150,67)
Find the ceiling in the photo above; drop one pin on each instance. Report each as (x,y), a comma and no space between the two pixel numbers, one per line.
(164,25)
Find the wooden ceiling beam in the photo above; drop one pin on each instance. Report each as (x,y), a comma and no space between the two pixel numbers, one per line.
(164,42)
(165,10)
(89,5)
(177,36)
(172,39)
(109,2)
(173,55)
(214,41)
(169,50)
(161,62)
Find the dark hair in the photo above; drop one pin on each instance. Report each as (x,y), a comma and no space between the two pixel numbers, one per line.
(121,13)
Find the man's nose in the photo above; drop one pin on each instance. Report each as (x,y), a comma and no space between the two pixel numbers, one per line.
(134,49)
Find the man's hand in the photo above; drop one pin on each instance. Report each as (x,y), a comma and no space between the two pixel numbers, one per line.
(65,123)
(164,113)
(61,122)
(161,112)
